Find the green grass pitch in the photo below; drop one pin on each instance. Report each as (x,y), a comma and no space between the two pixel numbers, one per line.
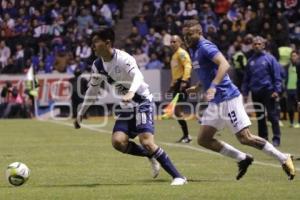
(69,164)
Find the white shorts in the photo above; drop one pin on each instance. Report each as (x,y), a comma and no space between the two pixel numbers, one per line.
(230,113)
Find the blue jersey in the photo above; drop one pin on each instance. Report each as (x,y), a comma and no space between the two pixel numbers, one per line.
(206,70)
(262,74)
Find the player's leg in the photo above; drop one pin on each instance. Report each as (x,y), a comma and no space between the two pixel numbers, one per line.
(274,117)
(121,135)
(121,142)
(247,138)
(239,122)
(183,124)
(259,102)
(179,112)
(147,140)
(207,140)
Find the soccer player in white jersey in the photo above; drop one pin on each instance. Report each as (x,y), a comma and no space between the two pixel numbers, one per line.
(135,116)
(225,105)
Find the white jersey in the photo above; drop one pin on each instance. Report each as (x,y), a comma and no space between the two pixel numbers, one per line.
(122,72)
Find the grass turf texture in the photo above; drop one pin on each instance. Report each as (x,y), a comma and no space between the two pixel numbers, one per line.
(69,164)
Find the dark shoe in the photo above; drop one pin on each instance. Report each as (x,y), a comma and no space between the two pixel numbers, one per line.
(276,142)
(243,166)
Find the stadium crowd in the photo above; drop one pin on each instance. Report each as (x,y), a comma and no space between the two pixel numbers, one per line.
(51,35)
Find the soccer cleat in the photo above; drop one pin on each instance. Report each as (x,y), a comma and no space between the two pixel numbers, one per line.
(243,166)
(155,167)
(289,168)
(185,139)
(296,126)
(179,181)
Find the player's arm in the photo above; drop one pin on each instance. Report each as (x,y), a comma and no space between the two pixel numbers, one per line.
(90,96)
(276,76)
(187,69)
(187,65)
(223,67)
(133,70)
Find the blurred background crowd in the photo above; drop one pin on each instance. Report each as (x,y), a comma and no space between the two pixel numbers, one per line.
(53,35)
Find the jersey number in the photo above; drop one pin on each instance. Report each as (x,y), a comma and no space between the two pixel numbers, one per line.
(232,117)
(141,118)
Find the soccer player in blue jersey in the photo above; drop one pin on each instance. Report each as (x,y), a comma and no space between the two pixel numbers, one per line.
(225,104)
(135,112)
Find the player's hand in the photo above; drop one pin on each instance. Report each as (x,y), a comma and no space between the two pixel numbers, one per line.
(183,86)
(128,97)
(77,122)
(193,89)
(274,95)
(210,94)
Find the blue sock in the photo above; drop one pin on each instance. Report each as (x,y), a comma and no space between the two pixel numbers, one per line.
(166,163)
(136,150)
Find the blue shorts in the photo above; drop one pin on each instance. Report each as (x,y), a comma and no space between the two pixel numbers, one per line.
(136,120)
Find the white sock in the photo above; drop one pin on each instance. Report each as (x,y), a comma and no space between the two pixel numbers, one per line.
(232,152)
(272,151)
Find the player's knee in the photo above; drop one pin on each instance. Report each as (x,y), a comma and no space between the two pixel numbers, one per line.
(148,144)
(119,145)
(244,139)
(202,141)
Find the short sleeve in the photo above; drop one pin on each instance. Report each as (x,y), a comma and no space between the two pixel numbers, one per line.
(210,50)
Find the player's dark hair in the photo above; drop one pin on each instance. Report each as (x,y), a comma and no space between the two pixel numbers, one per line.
(105,34)
(191,23)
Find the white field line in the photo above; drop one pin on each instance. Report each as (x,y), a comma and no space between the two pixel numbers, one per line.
(199,149)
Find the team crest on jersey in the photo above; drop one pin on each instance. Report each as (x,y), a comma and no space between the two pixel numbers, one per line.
(252,63)
(264,63)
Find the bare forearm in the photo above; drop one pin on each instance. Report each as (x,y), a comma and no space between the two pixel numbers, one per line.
(89,98)
(222,70)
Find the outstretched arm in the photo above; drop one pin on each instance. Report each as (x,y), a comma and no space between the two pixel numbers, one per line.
(89,98)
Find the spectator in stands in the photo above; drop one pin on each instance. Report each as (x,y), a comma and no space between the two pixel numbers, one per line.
(171,27)
(154,62)
(19,58)
(104,11)
(166,37)
(151,36)
(135,36)
(142,26)
(83,51)
(189,13)
(141,58)
(4,54)
(205,13)
(157,47)
(14,104)
(247,45)
(254,24)
(85,21)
